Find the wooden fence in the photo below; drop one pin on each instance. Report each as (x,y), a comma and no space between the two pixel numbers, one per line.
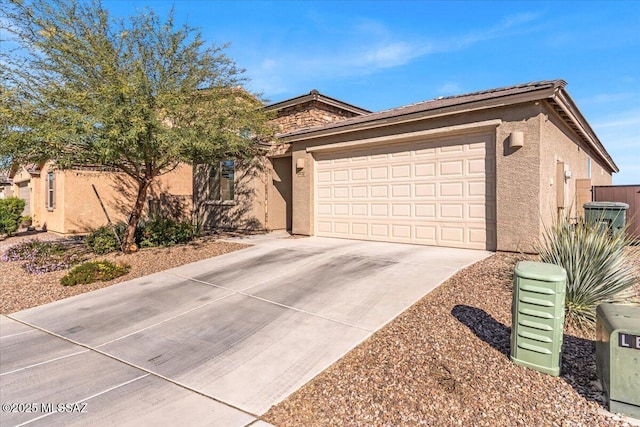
(629,194)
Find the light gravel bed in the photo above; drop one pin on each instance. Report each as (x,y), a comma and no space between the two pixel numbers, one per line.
(445,362)
(20,290)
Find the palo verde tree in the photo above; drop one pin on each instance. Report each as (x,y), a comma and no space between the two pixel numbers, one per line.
(139,95)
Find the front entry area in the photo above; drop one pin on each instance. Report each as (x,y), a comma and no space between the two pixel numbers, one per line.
(434,192)
(279,194)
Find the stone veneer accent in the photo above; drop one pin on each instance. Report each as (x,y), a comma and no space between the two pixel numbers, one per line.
(309,114)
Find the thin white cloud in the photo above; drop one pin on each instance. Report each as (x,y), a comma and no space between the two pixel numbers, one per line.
(450,88)
(390,55)
(509,25)
(619,134)
(628,120)
(629,171)
(370,46)
(371,28)
(606,98)
(275,76)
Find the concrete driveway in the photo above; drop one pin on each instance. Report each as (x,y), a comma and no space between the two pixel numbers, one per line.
(217,342)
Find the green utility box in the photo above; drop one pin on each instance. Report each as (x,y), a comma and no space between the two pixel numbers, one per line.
(538,316)
(613,215)
(618,356)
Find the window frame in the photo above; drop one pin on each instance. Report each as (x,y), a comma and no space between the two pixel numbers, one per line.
(51,201)
(219,194)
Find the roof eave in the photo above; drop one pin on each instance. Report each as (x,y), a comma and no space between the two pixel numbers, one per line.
(316,96)
(582,127)
(346,127)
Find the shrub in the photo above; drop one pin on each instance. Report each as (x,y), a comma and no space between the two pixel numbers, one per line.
(10,214)
(156,231)
(103,240)
(43,257)
(160,231)
(94,271)
(597,265)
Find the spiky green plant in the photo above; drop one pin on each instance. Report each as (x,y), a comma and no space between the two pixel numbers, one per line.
(598,267)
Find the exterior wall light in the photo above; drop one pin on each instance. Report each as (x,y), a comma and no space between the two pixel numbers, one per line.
(516,139)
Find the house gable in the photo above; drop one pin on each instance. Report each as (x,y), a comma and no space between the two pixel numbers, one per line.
(310,110)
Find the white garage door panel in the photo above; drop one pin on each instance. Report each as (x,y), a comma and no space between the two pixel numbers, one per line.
(431,192)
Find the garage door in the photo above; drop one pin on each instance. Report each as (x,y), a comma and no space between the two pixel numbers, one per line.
(437,192)
(24,192)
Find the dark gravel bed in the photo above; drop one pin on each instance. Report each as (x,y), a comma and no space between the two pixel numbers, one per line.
(445,362)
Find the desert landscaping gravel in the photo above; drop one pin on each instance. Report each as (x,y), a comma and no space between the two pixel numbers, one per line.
(443,362)
(20,290)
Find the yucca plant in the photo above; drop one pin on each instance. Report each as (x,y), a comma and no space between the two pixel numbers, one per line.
(597,263)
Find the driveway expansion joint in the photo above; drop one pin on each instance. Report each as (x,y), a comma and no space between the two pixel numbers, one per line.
(133,365)
(87,398)
(298,301)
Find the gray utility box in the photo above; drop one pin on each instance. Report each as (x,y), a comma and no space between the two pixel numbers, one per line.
(538,316)
(618,356)
(610,214)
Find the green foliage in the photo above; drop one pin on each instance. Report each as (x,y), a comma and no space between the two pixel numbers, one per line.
(159,231)
(103,240)
(597,265)
(10,214)
(140,95)
(156,231)
(94,271)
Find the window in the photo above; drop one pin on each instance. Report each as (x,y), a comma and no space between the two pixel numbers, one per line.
(589,167)
(50,191)
(222,181)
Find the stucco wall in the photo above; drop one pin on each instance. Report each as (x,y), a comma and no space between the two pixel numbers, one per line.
(517,183)
(246,211)
(172,194)
(76,206)
(250,211)
(178,182)
(82,209)
(51,219)
(560,144)
(518,190)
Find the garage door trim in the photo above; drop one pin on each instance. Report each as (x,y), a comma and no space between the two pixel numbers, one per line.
(469,190)
(447,131)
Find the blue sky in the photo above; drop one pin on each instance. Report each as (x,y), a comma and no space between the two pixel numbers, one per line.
(384,54)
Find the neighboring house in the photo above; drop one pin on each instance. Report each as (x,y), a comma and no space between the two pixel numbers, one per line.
(6,186)
(64,201)
(485,170)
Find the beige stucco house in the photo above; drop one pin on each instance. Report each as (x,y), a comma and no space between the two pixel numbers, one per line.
(65,202)
(258,195)
(484,170)
(6,186)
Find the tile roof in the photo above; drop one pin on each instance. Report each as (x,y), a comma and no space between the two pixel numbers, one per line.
(553,90)
(314,95)
(439,103)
